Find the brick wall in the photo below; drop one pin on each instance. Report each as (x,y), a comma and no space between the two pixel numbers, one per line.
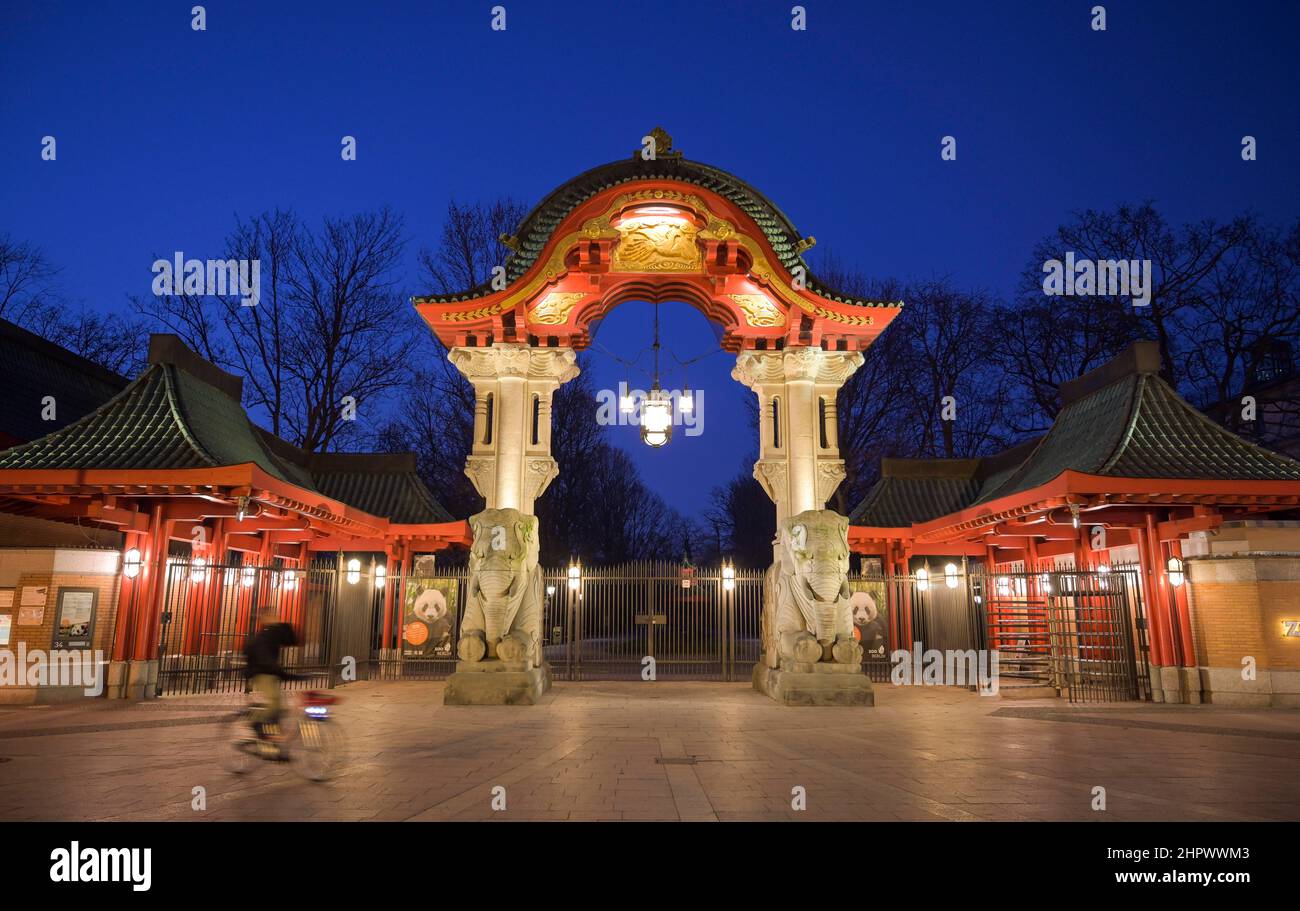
(1237,606)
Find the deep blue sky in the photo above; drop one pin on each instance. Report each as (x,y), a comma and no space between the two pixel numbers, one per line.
(164,133)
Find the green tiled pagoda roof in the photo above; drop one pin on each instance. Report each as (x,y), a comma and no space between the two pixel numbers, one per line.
(1139,427)
(1121,420)
(165,419)
(384,485)
(538,226)
(183,412)
(896,501)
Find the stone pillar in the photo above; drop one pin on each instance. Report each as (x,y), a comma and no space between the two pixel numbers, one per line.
(501,660)
(510,466)
(810,656)
(796,390)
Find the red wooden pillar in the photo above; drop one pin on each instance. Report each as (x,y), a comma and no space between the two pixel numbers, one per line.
(1182,615)
(153,570)
(390,583)
(214,585)
(905,563)
(408,565)
(1165,605)
(1152,590)
(892,599)
(992,595)
(128,602)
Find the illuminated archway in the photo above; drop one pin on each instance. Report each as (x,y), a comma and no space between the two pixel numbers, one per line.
(657,229)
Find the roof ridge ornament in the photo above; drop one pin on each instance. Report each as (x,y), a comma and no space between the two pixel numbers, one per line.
(655,145)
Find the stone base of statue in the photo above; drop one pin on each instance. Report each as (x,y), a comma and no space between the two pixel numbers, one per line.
(820,683)
(497,682)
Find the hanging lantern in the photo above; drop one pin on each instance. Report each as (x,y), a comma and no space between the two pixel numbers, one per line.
(657,418)
(686,402)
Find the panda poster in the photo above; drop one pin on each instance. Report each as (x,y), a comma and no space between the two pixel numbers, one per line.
(429,618)
(870,615)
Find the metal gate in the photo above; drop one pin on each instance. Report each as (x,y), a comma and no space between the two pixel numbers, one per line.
(657,620)
(1081,633)
(209,611)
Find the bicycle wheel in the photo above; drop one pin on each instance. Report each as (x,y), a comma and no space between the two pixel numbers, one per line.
(318,749)
(240,743)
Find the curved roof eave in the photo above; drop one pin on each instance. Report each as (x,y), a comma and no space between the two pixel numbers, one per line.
(539,225)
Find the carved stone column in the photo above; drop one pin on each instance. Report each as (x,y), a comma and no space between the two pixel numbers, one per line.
(799,462)
(510,463)
(809,654)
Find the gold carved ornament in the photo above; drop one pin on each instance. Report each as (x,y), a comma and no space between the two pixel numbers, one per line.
(599,228)
(657,243)
(554,309)
(759,310)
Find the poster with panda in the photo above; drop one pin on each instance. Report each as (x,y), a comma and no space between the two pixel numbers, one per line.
(429,618)
(870,615)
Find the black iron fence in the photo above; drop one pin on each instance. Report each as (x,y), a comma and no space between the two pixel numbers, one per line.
(1079,634)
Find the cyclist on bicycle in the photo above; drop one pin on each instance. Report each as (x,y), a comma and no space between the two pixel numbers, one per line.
(262,658)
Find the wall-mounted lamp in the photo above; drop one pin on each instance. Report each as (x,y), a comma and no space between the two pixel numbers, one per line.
(354,571)
(575,576)
(198,570)
(923,579)
(1176,574)
(131,563)
(728,577)
(950,574)
(381,575)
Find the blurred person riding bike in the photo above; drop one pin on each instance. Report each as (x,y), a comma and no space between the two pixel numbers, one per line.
(264,671)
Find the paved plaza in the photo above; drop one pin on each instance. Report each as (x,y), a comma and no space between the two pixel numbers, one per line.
(667,751)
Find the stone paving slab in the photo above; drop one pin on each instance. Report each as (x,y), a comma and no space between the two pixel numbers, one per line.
(662,751)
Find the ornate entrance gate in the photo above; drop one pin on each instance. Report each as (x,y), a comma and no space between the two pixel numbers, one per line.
(654,620)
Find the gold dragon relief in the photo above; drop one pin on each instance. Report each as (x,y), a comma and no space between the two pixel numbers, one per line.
(759,310)
(657,243)
(554,308)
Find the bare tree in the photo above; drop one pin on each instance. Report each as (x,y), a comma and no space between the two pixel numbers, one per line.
(28,293)
(1250,300)
(471,245)
(332,335)
(1048,341)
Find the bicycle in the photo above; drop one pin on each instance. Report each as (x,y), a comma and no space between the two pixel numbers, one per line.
(307,737)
